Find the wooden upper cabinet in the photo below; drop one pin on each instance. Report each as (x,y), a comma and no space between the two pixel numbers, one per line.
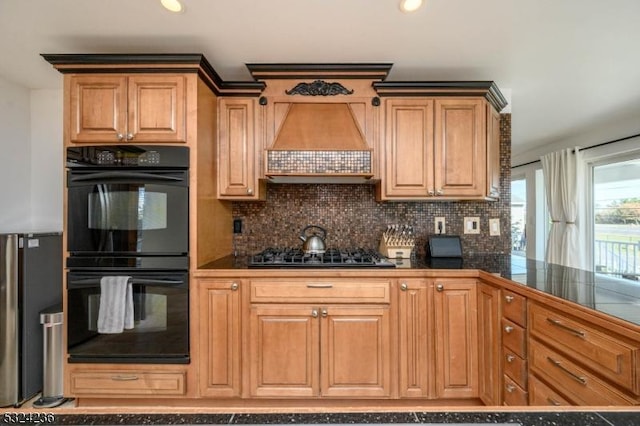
(137,108)
(456,338)
(408,155)
(436,148)
(237,150)
(460,148)
(493,153)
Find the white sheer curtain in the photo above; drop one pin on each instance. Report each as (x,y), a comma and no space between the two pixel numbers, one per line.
(563,184)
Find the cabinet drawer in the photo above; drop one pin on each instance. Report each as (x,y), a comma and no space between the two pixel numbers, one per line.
(515,367)
(541,394)
(123,383)
(513,394)
(613,358)
(514,307)
(513,337)
(577,383)
(320,291)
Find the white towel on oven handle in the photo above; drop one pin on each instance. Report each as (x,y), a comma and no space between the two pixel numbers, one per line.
(115,313)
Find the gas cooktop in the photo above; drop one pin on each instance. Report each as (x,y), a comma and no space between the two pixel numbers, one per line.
(331,258)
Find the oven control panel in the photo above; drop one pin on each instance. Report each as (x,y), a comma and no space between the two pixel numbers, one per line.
(128,156)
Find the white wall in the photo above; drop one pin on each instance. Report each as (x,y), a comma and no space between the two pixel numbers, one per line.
(15,158)
(31,165)
(47,162)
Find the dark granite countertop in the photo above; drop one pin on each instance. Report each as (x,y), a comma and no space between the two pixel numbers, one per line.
(613,296)
(565,418)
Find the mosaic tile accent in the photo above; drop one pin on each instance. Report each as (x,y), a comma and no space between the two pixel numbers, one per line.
(353,218)
(356,162)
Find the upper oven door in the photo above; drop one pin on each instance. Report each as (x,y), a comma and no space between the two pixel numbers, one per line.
(127,211)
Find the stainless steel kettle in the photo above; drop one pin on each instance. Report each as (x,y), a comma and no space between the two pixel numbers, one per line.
(313,243)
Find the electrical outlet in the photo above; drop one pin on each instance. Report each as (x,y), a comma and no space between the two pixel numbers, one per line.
(471,225)
(494,227)
(237,226)
(439,225)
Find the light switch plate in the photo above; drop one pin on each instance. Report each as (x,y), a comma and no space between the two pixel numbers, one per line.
(439,225)
(494,227)
(471,225)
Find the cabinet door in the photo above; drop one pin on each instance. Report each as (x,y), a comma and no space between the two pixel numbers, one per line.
(284,351)
(415,347)
(97,108)
(489,357)
(219,338)
(460,148)
(355,351)
(456,335)
(156,108)
(493,152)
(408,155)
(237,177)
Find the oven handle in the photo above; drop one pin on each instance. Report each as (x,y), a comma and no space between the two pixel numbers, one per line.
(122,175)
(91,282)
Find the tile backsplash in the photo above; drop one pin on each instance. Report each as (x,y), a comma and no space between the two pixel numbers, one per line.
(353,218)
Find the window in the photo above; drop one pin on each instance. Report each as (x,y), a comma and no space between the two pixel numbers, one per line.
(519,217)
(616,217)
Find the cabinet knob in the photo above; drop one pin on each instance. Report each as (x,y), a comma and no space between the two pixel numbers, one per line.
(440,192)
(404,286)
(314,313)
(510,388)
(129,136)
(324,313)
(234,286)
(439,287)
(120,136)
(431,193)
(508,299)
(510,358)
(249,191)
(508,329)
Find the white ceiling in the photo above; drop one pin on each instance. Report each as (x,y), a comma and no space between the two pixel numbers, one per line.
(571,67)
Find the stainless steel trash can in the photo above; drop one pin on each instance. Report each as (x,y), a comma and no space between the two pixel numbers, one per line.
(52,320)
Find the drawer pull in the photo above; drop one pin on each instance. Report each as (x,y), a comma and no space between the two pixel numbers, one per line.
(510,358)
(508,329)
(234,286)
(510,388)
(122,378)
(552,401)
(509,299)
(319,285)
(565,327)
(580,379)
(404,287)
(439,287)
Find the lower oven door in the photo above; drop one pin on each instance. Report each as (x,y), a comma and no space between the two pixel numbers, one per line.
(160,313)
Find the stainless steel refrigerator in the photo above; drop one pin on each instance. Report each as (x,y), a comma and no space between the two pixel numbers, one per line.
(30,281)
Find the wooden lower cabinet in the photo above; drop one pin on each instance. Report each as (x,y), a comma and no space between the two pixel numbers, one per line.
(310,351)
(489,342)
(415,343)
(219,337)
(107,381)
(456,338)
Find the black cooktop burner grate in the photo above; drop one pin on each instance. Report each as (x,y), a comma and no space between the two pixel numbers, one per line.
(331,258)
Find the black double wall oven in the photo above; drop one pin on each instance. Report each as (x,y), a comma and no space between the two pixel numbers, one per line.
(127,239)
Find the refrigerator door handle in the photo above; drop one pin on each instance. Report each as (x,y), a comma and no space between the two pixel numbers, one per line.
(9,368)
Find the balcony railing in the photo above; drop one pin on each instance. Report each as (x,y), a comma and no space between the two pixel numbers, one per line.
(618,258)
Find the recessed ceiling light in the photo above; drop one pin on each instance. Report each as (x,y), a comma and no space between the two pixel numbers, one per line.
(172,5)
(410,5)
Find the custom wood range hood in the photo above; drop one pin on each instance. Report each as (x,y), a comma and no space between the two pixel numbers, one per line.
(319,121)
